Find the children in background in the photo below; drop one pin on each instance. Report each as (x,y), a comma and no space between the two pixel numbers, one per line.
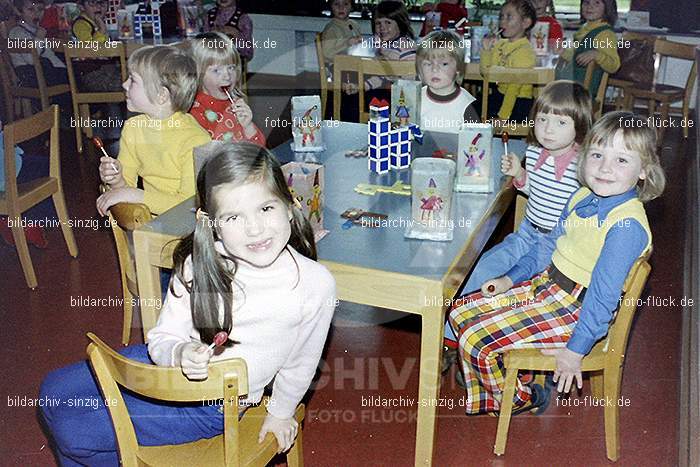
(28,28)
(393,39)
(445,104)
(562,116)
(450,10)
(157,145)
(88,26)
(341,32)
(545,14)
(219,69)
(596,42)
(569,283)
(228,18)
(51,19)
(511,101)
(248,269)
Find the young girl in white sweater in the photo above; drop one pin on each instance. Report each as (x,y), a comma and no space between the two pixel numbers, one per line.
(248,269)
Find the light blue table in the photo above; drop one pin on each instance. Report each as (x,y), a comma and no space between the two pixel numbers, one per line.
(376,267)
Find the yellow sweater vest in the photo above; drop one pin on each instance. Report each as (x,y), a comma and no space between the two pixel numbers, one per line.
(578,250)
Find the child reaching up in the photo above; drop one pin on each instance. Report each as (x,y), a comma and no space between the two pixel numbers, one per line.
(562,116)
(596,42)
(156,145)
(445,104)
(248,269)
(219,72)
(511,101)
(563,292)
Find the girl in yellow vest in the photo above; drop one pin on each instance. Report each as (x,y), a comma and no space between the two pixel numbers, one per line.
(564,291)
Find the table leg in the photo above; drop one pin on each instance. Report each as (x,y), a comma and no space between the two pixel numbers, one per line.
(336,91)
(148,280)
(429,383)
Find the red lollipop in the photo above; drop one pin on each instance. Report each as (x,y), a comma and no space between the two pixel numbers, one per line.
(101,146)
(504,138)
(219,339)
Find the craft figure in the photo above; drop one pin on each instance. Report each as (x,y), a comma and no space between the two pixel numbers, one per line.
(315,201)
(308,127)
(473,161)
(432,204)
(402,112)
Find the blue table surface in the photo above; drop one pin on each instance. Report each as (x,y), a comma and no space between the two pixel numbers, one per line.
(386,248)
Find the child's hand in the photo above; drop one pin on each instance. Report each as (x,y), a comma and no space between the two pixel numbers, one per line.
(568,368)
(510,165)
(355,40)
(488,42)
(583,59)
(350,88)
(116,196)
(111,172)
(496,286)
(244,116)
(194,360)
(284,429)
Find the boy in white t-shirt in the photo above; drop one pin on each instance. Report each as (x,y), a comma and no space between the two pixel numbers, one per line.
(445,105)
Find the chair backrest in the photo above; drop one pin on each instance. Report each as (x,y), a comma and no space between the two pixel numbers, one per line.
(405,69)
(227,381)
(322,72)
(96,51)
(619,330)
(520,205)
(666,48)
(537,77)
(24,130)
(124,219)
(599,98)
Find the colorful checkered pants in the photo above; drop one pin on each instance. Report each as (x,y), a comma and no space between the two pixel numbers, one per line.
(533,314)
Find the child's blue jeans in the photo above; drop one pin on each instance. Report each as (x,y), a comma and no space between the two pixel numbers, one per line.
(498,261)
(81,427)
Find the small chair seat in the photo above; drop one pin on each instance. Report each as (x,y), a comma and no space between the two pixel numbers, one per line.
(659,92)
(209,452)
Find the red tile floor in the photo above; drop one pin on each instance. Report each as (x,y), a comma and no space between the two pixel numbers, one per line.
(45,329)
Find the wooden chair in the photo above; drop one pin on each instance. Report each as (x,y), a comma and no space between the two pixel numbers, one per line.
(636,39)
(371,66)
(124,219)
(599,99)
(666,94)
(82,100)
(537,77)
(18,198)
(604,361)
(322,73)
(228,379)
(11,82)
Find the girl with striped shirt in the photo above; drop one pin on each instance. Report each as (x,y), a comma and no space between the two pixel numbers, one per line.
(562,117)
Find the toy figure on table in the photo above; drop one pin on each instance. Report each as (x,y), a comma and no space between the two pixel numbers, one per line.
(308,127)
(474,164)
(315,201)
(432,205)
(474,158)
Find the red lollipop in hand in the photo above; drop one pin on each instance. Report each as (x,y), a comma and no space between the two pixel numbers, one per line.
(101,146)
(504,138)
(219,339)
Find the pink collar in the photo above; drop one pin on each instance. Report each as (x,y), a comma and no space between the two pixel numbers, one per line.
(560,162)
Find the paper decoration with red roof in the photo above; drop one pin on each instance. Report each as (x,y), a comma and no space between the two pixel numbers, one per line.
(388,148)
(142,16)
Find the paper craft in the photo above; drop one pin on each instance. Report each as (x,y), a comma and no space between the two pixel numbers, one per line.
(144,17)
(306,124)
(389,148)
(405,102)
(306,184)
(397,188)
(478,34)
(474,159)
(539,38)
(432,182)
(125,24)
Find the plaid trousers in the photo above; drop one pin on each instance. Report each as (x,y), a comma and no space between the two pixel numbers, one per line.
(532,314)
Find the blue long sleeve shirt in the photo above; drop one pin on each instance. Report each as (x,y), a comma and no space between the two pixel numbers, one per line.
(624,243)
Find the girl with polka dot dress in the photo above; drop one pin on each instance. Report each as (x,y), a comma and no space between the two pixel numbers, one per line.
(220,107)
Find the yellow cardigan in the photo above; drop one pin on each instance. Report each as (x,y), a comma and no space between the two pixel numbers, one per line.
(607,57)
(512,54)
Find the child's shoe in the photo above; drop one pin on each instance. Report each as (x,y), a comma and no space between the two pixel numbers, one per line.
(35,236)
(538,403)
(449,358)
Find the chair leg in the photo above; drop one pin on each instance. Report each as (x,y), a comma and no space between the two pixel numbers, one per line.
(685,122)
(85,113)
(597,384)
(78,129)
(663,110)
(611,383)
(60,203)
(505,412)
(295,456)
(128,312)
(23,251)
